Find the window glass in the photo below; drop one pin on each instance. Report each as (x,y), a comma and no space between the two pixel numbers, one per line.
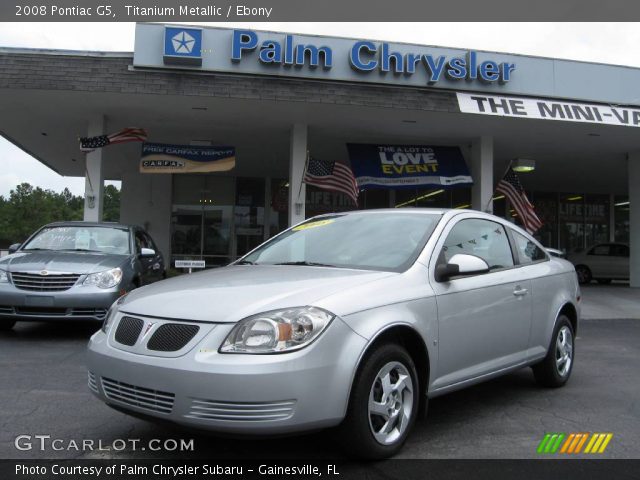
(619,251)
(370,241)
(600,250)
(528,251)
(482,238)
(81,238)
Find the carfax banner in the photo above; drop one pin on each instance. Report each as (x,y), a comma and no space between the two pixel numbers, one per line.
(164,158)
(404,166)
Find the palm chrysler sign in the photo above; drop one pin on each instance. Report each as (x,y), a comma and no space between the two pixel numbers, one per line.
(270,53)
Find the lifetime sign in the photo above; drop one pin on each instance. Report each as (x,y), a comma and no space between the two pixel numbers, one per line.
(366,56)
(545,109)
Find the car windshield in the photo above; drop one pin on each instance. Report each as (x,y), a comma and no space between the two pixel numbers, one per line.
(79,238)
(369,241)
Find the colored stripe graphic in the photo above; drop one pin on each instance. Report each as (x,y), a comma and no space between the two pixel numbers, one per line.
(573,443)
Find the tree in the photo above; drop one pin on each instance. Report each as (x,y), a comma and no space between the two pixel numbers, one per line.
(28,208)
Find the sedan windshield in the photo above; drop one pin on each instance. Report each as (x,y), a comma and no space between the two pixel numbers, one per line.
(369,241)
(78,238)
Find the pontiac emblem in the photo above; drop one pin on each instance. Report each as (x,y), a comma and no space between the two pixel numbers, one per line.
(44,273)
(149,327)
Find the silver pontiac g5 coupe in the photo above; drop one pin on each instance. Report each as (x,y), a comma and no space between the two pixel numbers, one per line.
(351,320)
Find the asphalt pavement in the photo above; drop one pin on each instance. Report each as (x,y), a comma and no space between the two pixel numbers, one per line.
(43,392)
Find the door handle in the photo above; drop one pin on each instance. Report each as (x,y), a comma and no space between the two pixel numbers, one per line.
(519,291)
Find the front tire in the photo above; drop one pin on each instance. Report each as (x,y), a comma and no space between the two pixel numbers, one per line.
(384,404)
(7,325)
(555,369)
(584,274)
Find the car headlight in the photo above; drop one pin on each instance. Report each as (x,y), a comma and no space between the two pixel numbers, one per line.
(111,314)
(278,331)
(106,279)
(4,277)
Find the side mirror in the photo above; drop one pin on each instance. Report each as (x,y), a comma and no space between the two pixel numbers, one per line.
(461,264)
(14,248)
(147,252)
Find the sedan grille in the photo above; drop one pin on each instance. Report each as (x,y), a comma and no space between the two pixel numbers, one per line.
(129,330)
(171,337)
(91,381)
(241,412)
(145,398)
(35,282)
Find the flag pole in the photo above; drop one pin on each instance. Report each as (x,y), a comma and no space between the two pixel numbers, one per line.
(306,165)
(494,189)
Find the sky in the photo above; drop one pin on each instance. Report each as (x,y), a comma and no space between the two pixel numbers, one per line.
(615,43)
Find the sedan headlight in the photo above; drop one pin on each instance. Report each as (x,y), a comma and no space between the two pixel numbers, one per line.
(106,279)
(278,331)
(4,277)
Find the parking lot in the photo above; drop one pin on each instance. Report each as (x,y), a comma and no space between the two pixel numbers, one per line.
(43,392)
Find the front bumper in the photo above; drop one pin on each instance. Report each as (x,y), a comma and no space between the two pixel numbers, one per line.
(77,303)
(235,393)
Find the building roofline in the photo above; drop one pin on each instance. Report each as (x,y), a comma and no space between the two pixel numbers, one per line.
(63,52)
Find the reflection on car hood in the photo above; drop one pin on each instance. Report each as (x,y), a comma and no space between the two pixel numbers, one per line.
(70,262)
(232,293)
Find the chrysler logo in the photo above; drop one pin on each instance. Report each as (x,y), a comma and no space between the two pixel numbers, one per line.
(44,273)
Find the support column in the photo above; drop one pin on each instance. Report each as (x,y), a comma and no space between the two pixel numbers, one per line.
(93,177)
(482,173)
(633,169)
(297,161)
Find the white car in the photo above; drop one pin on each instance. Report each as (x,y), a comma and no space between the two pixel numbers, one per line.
(603,262)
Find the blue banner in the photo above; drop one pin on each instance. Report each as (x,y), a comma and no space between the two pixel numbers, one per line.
(163,158)
(407,166)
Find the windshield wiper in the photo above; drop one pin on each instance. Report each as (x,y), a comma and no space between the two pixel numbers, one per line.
(79,250)
(34,249)
(306,264)
(245,262)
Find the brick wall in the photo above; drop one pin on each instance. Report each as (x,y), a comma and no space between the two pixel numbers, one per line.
(111,74)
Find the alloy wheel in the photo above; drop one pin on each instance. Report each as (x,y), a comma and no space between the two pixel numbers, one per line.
(390,403)
(564,351)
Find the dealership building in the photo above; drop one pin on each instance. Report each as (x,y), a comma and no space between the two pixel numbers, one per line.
(276,100)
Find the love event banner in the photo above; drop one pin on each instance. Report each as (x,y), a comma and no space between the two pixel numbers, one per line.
(407,166)
(163,158)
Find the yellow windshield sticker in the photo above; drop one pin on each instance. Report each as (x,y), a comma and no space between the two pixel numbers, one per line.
(319,223)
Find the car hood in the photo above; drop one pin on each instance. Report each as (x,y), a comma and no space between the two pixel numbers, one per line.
(229,294)
(70,262)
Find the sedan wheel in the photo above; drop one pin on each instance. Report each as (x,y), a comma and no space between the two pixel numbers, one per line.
(384,404)
(555,369)
(584,274)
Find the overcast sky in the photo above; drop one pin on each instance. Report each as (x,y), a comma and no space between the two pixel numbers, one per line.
(615,43)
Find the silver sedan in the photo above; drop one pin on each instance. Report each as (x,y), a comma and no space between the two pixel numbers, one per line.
(350,320)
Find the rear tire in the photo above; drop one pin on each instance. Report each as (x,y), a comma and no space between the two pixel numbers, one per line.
(384,404)
(584,274)
(555,369)
(7,325)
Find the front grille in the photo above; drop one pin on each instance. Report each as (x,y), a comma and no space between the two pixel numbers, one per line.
(171,337)
(145,398)
(241,412)
(89,312)
(91,381)
(129,330)
(41,311)
(44,283)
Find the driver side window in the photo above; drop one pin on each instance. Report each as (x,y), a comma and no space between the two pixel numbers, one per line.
(482,238)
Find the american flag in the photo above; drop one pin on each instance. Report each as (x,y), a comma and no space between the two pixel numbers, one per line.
(331,176)
(89,144)
(511,187)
